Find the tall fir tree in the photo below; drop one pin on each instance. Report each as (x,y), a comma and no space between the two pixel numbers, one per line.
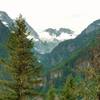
(88,85)
(51,94)
(22,65)
(70,89)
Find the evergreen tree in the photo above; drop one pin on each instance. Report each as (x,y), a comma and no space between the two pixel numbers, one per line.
(70,89)
(88,84)
(51,95)
(22,65)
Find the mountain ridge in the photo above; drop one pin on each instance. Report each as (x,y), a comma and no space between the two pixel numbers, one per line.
(64,50)
(41,47)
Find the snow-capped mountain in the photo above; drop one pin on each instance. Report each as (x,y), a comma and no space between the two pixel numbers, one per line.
(45,41)
(50,38)
(6,20)
(33,33)
(73,50)
(46,46)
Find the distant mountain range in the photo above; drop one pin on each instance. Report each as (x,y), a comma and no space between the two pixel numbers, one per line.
(73,49)
(41,46)
(54,53)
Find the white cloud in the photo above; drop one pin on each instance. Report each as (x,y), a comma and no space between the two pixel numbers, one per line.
(45,36)
(41,14)
(65,36)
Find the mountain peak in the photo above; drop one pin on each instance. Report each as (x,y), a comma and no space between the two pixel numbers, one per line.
(92,27)
(58,32)
(96,21)
(5,19)
(3,13)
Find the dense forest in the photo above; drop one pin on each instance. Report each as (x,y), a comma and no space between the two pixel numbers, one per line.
(23,77)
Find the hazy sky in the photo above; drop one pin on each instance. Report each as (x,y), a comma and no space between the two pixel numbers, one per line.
(41,14)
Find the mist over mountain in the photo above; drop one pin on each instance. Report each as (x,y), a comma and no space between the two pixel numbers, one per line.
(41,46)
(65,49)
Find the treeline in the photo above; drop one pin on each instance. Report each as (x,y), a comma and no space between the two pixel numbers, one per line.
(25,72)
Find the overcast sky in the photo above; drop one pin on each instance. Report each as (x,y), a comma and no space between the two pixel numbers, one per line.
(41,14)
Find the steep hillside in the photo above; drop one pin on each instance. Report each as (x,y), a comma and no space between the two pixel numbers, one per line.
(4,34)
(66,49)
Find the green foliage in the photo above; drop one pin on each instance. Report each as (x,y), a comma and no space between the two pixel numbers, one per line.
(22,65)
(85,85)
(70,89)
(89,84)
